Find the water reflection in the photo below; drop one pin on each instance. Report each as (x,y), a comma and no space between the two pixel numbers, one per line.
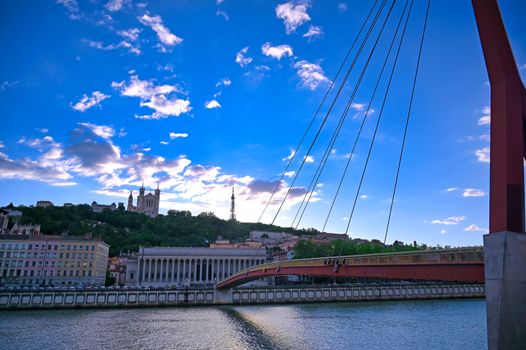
(440,324)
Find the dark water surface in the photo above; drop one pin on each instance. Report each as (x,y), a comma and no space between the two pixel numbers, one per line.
(434,324)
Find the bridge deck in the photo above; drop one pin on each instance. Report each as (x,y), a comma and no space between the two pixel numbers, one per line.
(462,265)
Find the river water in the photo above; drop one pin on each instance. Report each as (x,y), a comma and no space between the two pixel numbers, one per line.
(429,324)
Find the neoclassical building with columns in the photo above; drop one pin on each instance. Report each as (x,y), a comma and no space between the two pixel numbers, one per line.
(180,267)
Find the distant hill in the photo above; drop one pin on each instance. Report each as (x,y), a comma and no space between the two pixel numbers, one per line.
(126,231)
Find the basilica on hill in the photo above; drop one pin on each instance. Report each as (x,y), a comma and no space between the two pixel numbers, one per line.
(146,204)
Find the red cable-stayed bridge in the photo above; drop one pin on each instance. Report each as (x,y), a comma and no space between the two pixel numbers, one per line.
(447,265)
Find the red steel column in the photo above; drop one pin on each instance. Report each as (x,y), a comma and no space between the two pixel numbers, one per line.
(507,121)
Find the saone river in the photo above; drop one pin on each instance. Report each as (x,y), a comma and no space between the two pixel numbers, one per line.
(433,324)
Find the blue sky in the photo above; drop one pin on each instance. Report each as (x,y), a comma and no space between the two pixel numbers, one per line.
(200,96)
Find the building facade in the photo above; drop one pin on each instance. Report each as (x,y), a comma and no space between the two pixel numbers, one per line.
(37,260)
(99,208)
(146,204)
(182,267)
(44,204)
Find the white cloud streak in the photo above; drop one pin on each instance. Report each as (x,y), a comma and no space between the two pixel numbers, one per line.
(452,220)
(276,51)
(473,192)
(311,74)
(86,102)
(241,57)
(293,14)
(163,33)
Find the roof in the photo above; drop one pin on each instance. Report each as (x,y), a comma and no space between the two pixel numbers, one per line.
(202,251)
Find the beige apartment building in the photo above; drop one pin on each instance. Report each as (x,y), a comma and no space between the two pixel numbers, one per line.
(36,260)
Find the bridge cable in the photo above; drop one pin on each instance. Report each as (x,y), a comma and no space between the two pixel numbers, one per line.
(372,25)
(407,120)
(367,112)
(376,127)
(343,117)
(327,115)
(318,109)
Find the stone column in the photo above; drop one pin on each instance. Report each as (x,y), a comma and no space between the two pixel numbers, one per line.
(155,270)
(195,269)
(214,270)
(161,270)
(143,270)
(178,271)
(172,274)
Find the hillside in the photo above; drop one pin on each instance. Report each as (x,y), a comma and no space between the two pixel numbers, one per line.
(126,231)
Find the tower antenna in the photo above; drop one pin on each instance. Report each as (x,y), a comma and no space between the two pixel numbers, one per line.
(233,206)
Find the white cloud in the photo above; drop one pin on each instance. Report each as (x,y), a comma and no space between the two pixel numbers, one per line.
(309,159)
(276,51)
(132,48)
(342,6)
(452,220)
(7,84)
(175,135)
(473,192)
(290,156)
(289,173)
(163,33)
(358,106)
(311,74)
(293,15)
(63,184)
(364,196)
(104,131)
(475,228)
(131,34)
(522,67)
(224,82)
(212,104)
(443,232)
(72,8)
(160,98)
(313,32)
(164,142)
(241,59)
(91,153)
(87,102)
(114,5)
(452,189)
(486,117)
(483,155)
(223,14)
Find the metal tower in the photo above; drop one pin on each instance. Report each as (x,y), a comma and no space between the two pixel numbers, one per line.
(233,206)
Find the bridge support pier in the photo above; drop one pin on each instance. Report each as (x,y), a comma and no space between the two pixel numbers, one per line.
(505,270)
(223,296)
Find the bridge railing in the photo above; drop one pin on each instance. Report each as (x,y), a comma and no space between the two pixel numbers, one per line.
(442,256)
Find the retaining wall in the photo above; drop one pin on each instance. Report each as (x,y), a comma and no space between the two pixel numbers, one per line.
(112,299)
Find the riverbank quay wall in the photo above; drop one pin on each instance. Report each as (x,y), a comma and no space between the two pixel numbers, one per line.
(238,296)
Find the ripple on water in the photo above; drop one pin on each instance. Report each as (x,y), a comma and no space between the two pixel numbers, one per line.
(438,324)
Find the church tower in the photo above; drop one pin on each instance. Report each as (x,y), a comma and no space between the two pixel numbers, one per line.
(140,199)
(233,207)
(130,202)
(157,199)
